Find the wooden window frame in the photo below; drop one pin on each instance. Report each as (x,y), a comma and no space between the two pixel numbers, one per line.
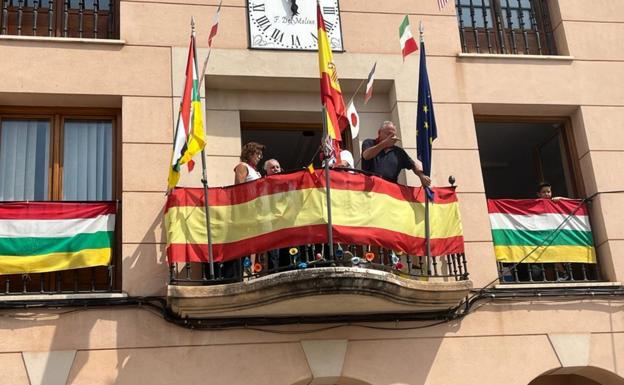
(57,118)
(20,21)
(498,38)
(572,161)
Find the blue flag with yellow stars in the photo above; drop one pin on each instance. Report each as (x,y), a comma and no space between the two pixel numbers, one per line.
(426,130)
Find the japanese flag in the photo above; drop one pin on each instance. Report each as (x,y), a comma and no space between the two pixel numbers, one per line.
(354,120)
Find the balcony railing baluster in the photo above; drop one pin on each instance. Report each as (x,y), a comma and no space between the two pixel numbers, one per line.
(486,26)
(5,16)
(535,27)
(81,6)
(510,27)
(20,15)
(96,9)
(525,34)
(462,28)
(475,30)
(66,6)
(25,279)
(35,14)
(112,11)
(51,18)
(542,271)
(547,27)
(584,271)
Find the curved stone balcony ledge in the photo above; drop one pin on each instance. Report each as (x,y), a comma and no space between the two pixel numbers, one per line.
(318,292)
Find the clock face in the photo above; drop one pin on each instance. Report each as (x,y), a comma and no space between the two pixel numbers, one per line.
(291,24)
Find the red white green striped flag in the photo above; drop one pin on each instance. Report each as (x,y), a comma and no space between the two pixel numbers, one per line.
(38,237)
(521,225)
(408,43)
(189,138)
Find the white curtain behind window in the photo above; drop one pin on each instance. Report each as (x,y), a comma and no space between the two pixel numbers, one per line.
(24,159)
(87,160)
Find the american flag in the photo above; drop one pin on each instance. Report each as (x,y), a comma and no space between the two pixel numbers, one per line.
(442,4)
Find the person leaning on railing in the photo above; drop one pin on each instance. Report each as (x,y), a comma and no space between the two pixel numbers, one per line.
(245,171)
(544,191)
(383,157)
(278,258)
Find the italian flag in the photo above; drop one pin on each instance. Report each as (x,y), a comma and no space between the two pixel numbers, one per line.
(408,44)
(38,237)
(559,229)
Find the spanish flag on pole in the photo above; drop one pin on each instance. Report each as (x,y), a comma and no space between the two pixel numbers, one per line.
(331,95)
(189,138)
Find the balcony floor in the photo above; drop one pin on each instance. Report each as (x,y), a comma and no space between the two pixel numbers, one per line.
(318,292)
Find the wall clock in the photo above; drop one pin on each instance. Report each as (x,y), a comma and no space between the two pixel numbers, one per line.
(291,24)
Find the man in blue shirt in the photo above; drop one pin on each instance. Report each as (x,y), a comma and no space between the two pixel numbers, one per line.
(381,156)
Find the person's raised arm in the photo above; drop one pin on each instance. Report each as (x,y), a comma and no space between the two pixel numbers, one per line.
(372,151)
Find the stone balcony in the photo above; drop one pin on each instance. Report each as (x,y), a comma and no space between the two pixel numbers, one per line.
(316,292)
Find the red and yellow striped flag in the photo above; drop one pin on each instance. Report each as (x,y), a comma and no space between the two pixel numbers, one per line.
(331,95)
(291,209)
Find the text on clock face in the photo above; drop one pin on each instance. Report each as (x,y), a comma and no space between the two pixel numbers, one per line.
(293,20)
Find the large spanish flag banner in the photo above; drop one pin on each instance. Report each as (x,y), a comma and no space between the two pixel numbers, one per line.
(558,230)
(291,210)
(38,237)
(331,94)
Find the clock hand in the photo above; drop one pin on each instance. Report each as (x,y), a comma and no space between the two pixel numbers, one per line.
(294,7)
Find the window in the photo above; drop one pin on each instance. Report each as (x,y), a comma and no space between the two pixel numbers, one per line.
(280,139)
(515,157)
(505,27)
(56,157)
(59,155)
(60,18)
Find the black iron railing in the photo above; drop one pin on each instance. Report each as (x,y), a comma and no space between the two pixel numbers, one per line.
(452,266)
(99,279)
(505,27)
(548,272)
(96,19)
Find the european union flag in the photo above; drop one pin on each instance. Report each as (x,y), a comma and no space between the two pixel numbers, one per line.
(426,130)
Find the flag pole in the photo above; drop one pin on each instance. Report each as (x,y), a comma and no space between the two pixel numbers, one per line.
(204,179)
(421,29)
(356,91)
(330,234)
(203,73)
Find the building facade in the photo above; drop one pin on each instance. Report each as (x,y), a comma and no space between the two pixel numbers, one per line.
(523,91)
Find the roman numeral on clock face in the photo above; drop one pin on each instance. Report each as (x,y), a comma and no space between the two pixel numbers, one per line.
(264,23)
(329,10)
(258,8)
(277,35)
